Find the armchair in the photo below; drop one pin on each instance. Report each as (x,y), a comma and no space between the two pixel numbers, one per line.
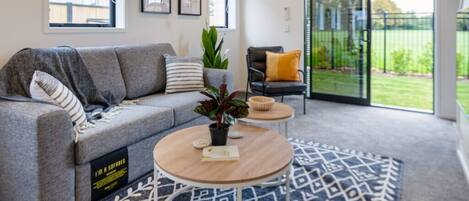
(256,64)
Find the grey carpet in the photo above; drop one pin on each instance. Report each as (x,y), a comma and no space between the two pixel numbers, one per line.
(425,143)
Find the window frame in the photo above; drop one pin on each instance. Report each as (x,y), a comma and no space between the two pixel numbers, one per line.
(227,16)
(111,24)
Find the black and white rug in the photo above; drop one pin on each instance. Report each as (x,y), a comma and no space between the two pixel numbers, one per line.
(320,172)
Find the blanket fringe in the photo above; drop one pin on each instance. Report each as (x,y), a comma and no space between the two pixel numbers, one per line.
(106,117)
(129,102)
(79,129)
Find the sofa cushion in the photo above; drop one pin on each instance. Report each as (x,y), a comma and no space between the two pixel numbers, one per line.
(184,74)
(182,104)
(143,68)
(105,70)
(46,88)
(131,125)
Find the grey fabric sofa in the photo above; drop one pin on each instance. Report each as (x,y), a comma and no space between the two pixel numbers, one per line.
(40,161)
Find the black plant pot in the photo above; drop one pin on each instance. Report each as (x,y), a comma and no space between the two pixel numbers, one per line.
(219,135)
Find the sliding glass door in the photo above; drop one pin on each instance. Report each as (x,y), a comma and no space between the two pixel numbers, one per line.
(337,48)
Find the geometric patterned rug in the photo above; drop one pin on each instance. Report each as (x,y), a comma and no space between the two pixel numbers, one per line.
(320,172)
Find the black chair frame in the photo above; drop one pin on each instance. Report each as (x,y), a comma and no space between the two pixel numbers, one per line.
(252,71)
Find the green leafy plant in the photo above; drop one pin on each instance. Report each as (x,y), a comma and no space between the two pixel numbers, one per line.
(213,57)
(426,59)
(320,58)
(460,64)
(222,107)
(401,60)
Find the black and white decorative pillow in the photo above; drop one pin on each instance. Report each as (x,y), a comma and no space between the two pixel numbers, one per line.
(45,87)
(184,74)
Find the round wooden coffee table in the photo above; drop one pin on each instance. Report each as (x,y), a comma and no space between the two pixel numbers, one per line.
(279,114)
(264,155)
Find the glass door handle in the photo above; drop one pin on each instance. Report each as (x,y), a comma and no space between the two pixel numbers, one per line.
(364,38)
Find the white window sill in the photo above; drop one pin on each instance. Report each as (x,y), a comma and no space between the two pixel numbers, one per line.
(84,30)
(226,29)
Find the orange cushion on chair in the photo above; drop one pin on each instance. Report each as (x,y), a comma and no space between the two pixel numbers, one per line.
(283,66)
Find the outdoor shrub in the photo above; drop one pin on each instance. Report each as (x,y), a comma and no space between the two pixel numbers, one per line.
(343,56)
(425,59)
(376,62)
(461,65)
(401,61)
(320,58)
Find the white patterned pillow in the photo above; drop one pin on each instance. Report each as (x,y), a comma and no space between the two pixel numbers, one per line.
(184,74)
(45,87)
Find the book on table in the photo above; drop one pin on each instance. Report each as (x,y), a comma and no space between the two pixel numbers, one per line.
(220,153)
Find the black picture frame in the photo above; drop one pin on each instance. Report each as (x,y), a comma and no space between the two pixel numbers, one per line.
(144,10)
(181,12)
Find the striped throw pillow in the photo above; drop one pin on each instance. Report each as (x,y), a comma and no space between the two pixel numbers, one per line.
(184,74)
(44,87)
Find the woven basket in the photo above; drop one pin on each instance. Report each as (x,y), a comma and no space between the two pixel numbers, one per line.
(261,103)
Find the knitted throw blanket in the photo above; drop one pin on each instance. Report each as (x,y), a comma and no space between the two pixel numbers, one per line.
(63,63)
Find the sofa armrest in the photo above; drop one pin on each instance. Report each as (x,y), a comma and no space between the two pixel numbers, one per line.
(36,152)
(216,77)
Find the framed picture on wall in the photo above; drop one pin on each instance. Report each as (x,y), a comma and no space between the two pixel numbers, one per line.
(156,6)
(190,7)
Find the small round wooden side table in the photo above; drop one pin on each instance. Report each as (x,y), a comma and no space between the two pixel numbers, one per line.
(279,114)
(260,160)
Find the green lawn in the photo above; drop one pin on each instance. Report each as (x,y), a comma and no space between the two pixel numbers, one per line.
(401,91)
(463,94)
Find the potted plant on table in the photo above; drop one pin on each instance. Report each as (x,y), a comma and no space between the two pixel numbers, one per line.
(223,108)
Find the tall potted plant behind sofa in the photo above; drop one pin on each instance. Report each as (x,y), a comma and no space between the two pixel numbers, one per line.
(223,109)
(213,57)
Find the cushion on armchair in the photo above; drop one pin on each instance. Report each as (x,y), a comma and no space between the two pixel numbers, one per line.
(283,66)
(258,58)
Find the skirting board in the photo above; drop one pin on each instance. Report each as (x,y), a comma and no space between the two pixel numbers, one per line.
(463,158)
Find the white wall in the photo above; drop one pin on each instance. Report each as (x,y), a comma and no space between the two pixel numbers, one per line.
(233,42)
(22,26)
(263,24)
(445,58)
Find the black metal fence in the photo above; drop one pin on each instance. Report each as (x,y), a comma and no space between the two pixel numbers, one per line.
(403,43)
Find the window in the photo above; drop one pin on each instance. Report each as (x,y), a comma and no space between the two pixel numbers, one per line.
(219,13)
(82,13)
